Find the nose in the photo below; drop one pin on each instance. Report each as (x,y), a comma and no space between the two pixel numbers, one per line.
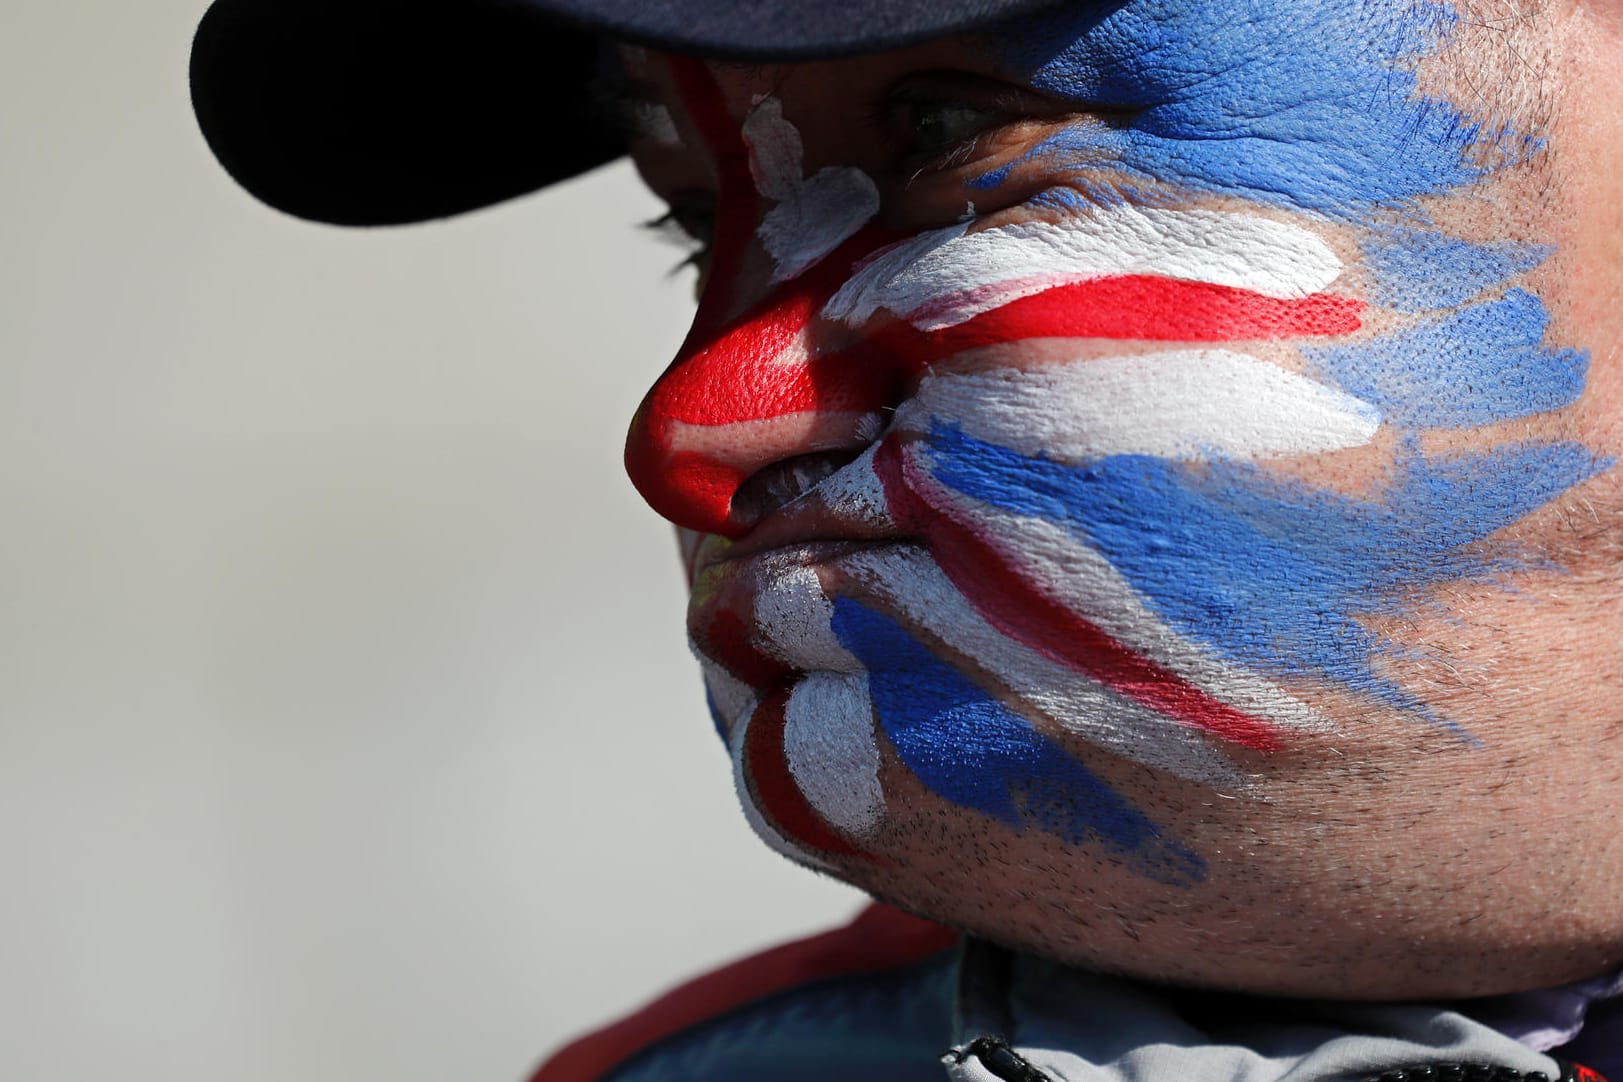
(757,382)
(764,387)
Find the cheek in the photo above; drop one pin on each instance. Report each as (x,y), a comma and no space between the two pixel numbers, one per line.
(1147,489)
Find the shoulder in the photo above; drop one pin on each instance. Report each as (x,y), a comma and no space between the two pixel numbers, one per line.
(825,983)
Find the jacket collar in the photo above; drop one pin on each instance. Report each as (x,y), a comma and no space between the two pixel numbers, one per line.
(1026,1019)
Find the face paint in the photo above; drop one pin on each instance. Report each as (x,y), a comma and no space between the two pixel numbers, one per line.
(1109,548)
(1056,626)
(1482,364)
(945,278)
(828,742)
(911,585)
(1234,558)
(974,752)
(727,403)
(1306,104)
(654,122)
(1405,263)
(811,216)
(1204,403)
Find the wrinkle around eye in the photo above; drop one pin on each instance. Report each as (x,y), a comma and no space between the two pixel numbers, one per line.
(942,191)
(936,118)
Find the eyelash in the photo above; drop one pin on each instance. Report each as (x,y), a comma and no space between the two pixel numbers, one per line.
(905,116)
(691,226)
(688,228)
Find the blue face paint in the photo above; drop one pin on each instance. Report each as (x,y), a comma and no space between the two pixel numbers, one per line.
(1311,104)
(1480,366)
(971,750)
(717,719)
(1419,271)
(1272,573)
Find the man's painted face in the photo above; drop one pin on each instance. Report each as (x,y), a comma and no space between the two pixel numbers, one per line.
(1128,443)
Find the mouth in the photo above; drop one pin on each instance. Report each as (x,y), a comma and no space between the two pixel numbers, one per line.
(824,502)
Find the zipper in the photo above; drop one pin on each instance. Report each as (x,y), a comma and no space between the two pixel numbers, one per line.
(1482,1072)
(1004,1063)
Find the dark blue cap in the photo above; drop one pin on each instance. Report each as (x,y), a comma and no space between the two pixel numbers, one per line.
(377,112)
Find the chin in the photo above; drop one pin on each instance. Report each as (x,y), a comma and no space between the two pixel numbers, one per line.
(1321,902)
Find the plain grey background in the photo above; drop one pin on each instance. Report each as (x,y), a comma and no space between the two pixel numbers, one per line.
(346,728)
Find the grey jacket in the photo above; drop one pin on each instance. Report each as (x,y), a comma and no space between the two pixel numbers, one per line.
(967,1011)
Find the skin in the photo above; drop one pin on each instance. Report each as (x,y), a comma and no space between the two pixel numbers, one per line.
(1445,830)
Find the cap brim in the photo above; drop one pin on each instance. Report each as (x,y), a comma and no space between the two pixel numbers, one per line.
(380,112)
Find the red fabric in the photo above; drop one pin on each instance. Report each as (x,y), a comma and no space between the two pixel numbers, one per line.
(879,938)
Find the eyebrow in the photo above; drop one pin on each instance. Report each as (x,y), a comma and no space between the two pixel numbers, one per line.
(619,101)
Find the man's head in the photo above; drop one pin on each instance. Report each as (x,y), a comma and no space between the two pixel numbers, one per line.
(1147,475)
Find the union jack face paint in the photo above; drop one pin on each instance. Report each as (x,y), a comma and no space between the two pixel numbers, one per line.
(916,548)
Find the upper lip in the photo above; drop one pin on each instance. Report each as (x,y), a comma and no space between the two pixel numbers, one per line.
(806,519)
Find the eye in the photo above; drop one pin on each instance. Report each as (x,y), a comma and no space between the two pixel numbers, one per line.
(939,121)
(926,127)
(939,127)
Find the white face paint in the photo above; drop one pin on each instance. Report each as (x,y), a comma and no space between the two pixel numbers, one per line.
(1071,573)
(948,276)
(792,618)
(740,442)
(731,698)
(856,494)
(828,737)
(813,215)
(654,122)
(908,583)
(1187,404)
(828,740)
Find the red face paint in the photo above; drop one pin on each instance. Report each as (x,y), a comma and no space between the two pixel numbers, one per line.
(773,784)
(1017,608)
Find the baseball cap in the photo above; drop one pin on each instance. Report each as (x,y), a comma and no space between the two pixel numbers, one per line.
(378,112)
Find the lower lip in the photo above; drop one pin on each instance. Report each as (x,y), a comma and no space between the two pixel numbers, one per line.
(736,585)
(798,553)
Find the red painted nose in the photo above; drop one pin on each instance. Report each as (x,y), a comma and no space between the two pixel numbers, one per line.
(758,391)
